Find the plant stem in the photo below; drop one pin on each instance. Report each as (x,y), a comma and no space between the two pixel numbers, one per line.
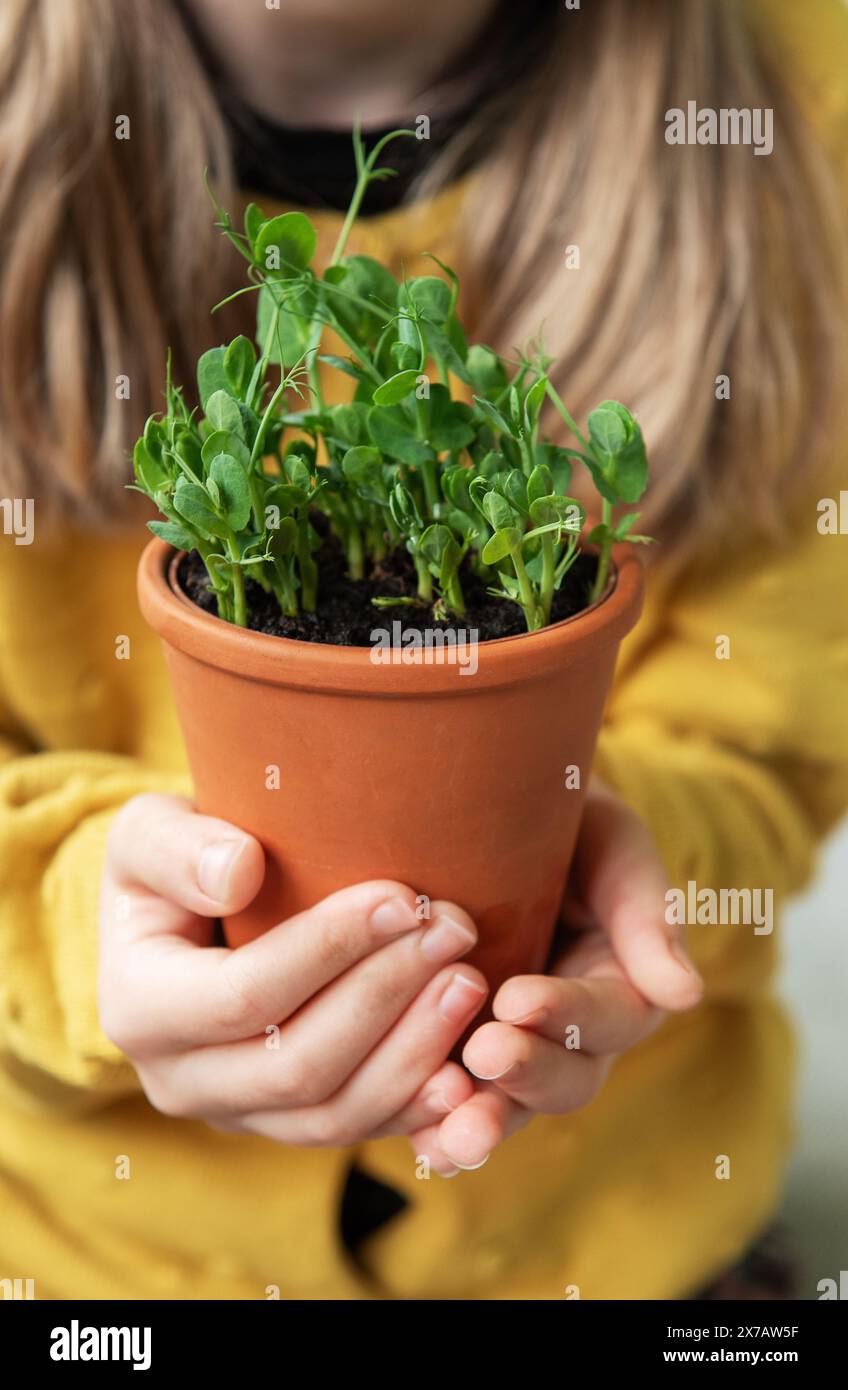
(256,451)
(527,597)
(362,183)
(239,600)
(526,455)
(566,561)
(567,417)
(308,569)
(355,553)
(425,579)
(548,576)
(602,573)
(284,591)
(365,174)
(428,468)
(455,597)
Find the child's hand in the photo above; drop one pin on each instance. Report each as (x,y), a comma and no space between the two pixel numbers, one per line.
(620,965)
(330,1028)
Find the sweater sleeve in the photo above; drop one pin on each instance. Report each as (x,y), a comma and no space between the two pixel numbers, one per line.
(728,735)
(55,813)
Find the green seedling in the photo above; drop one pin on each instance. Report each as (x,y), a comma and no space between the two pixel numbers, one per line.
(405,463)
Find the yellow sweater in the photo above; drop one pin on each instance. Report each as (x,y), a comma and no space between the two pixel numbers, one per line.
(738,766)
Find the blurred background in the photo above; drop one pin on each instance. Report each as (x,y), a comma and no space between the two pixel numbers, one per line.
(815,986)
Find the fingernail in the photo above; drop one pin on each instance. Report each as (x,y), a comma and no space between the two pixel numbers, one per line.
(451,1173)
(461,997)
(679,953)
(438,1104)
(392,917)
(215,867)
(445,940)
(492,1076)
(472,1167)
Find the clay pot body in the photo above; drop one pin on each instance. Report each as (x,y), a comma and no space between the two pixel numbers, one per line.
(456,784)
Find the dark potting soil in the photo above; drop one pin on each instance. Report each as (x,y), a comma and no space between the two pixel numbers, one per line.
(347,617)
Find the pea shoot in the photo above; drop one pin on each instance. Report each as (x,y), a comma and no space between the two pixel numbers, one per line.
(439,451)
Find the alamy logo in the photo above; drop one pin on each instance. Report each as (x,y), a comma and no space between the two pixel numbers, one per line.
(724,126)
(77,1343)
(709,907)
(17,1288)
(18,514)
(432,646)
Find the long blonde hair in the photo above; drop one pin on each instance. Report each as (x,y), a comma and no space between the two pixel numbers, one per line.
(695,262)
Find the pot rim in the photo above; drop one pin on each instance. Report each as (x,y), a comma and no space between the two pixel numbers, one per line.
(288,661)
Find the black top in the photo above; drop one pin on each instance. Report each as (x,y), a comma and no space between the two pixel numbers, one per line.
(315,168)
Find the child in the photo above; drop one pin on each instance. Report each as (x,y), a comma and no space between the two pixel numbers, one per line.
(142,1153)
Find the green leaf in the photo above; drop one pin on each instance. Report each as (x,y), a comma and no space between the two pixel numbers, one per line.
(154,438)
(462,522)
(150,474)
(404,510)
(194,503)
(393,434)
(362,465)
(231,480)
(624,524)
(540,483)
(430,297)
(599,479)
(533,401)
(282,539)
(223,413)
(433,543)
(557,511)
(292,328)
(187,449)
(394,390)
(253,220)
(516,490)
(504,542)
(408,331)
(442,552)
(486,370)
(559,462)
(607,429)
(344,364)
(177,536)
(448,347)
(286,497)
(491,464)
(405,357)
(239,361)
(493,415)
(297,471)
(478,490)
(285,245)
(225,442)
(211,375)
(449,422)
(497,511)
(619,449)
(599,534)
(368,280)
(455,480)
(349,423)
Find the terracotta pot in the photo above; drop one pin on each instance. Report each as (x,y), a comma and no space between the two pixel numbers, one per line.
(454,784)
